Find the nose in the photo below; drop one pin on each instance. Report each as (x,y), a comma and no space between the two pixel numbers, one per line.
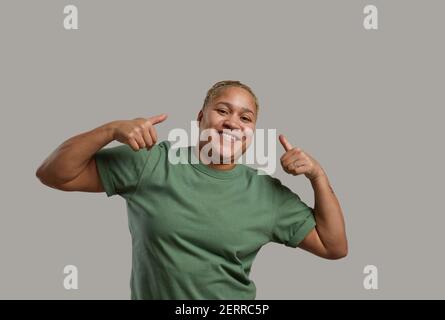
(231,123)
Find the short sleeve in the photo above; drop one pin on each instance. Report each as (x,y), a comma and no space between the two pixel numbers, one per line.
(120,169)
(294,219)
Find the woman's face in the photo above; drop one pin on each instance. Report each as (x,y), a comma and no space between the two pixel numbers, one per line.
(230,122)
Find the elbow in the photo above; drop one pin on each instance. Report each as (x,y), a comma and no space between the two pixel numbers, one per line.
(39,174)
(338,253)
(42,176)
(337,256)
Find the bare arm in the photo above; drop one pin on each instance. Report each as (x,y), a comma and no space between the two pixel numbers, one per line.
(328,238)
(72,167)
(73,161)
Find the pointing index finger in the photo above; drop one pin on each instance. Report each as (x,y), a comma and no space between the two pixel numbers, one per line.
(157,119)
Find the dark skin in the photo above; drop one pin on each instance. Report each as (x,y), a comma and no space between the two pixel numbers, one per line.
(328,238)
(234,109)
(231,110)
(71,167)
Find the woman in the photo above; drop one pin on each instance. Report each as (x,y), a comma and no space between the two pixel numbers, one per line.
(197,227)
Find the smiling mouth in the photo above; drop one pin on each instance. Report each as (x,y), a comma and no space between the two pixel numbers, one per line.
(229,136)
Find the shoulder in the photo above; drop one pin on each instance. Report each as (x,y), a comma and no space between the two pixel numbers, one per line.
(123,155)
(164,144)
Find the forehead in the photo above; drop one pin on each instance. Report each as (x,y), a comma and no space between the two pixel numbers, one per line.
(237,97)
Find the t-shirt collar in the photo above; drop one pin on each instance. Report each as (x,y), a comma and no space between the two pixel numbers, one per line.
(216,173)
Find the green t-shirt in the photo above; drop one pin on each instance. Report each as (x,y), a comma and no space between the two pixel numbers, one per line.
(196,230)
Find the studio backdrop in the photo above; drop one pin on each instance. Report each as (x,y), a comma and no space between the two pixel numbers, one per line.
(363,96)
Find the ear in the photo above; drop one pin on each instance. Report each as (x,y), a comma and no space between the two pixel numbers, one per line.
(199,116)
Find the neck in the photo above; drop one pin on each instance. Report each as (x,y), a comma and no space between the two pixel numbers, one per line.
(227,166)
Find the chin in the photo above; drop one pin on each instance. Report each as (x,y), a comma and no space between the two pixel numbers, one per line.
(230,153)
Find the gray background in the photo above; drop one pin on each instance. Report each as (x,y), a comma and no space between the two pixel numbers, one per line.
(368,105)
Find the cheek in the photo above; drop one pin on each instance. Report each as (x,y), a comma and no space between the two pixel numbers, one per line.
(206,124)
(211,121)
(248,133)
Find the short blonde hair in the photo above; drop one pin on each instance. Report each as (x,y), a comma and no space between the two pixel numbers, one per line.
(218,87)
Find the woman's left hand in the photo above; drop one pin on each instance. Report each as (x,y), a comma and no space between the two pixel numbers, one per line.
(295,161)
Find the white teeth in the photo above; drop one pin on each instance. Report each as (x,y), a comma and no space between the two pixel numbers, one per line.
(228,136)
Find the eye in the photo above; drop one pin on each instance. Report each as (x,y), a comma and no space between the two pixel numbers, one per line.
(222,111)
(246,119)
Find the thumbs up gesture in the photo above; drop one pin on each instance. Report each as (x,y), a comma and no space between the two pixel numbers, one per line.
(295,161)
(137,133)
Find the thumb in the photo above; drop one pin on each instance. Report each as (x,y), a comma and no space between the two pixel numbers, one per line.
(157,119)
(286,145)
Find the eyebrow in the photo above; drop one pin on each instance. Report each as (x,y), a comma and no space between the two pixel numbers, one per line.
(244,109)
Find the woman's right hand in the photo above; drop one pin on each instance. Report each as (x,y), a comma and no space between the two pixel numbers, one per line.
(137,133)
